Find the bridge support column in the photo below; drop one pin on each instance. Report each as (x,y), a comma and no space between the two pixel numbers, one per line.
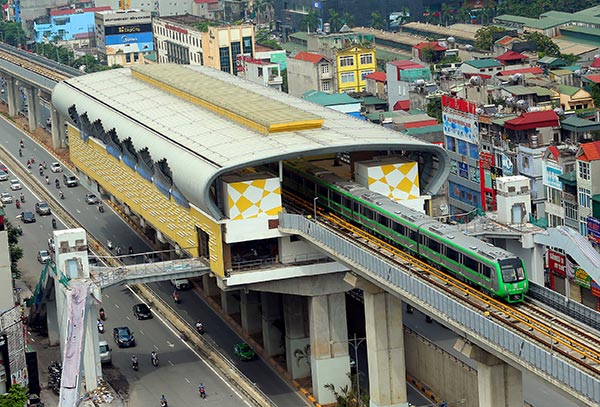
(91,357)
(33,107)
(385,349)
(297,340)
(56,128)
(271,317)
(52,321)
(230,302)
(250,310)
(500,385)
(209,285)
(330,363)
(12,96)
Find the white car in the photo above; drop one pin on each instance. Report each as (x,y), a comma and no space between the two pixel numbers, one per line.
(55,167)
(3,176)
(6,198)
(15,184)
(44,256)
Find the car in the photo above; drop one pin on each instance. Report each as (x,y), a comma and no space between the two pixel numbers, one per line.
(243,351)
(55,167)
(43,256)
(181,283)
(42,208)
(93,261)
(15,184)
(6,198)
(123,337)
(70,180)
(27,217)
(3,168)
(142,311)
(91,199)
(3,176)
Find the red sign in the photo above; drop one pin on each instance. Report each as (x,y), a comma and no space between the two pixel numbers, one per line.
(595,289)
(486,160)
(459,104)
(557,263)
(177,29)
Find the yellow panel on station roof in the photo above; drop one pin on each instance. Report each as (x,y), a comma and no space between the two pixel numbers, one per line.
(243,106)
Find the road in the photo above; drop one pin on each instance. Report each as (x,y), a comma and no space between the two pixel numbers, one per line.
(109,225)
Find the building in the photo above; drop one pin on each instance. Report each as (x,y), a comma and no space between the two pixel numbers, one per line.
(180,41)
(512,58)
(588,164)
(353,65)
(574,98)
(488,66)
(123,37)
(308,71)
(210,9)
(419,51)
(401,75)
(258,71)
(560,208)
(340,102)
(377,85)
(66,24)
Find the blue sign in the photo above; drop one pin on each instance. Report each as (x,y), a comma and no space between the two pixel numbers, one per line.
(593,227)
(550,174)
(463,170)
(132,38)
(317,4)
(507,166)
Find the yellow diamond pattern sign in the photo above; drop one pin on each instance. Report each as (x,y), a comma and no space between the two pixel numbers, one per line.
(253,198)
(396,181)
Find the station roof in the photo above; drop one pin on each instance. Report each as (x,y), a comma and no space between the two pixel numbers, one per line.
(207,123)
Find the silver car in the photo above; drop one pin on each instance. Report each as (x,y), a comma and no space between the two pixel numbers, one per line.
(6,198)
(15,184)
(3,176)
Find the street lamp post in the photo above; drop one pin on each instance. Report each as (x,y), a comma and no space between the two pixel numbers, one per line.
(355,342)
(315,207)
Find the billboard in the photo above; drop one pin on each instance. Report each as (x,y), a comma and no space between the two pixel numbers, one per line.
(593,227)
(133,38)
(460,125)
(550,173)
(127,29)
(557,263)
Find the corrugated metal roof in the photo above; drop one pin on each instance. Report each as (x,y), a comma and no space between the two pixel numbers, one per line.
(521,90)
(483,63)
(220,96)
(589,151)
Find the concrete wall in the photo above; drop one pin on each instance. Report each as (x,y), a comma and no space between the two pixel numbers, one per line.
(297,250)
(446,376)
(6,286)
(302,77)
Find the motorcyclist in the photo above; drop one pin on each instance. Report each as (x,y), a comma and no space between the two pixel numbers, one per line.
(199,326)
(22,197)
(20,230)
(102,314)
(163,401)
(100,326)
(109,244)
(53,223)
(57,183)
(21,144)
(100,206)
(61,194)
(201,390)
(41,169)
(47,180)
(175,295)
(134,362)
(154,358)
(20,153)
(18,204)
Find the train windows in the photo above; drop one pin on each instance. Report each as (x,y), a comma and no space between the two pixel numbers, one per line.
(486,271)
(346,203)
(398,228)
(336,197)
(355,206)
(434,245)
(321,190)
(452,254)
(367,213)
(413,235)
(512,270)
(424,240)
(471,263)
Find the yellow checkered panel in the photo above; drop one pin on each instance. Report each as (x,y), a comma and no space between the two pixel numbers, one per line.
(247,199)
(398,181)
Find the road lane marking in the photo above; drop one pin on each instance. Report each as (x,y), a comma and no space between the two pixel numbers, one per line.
(117,305)
(171,345)
(171,363)
(215,371)
(155,347)
(129,319)
(142,332)
(187,380)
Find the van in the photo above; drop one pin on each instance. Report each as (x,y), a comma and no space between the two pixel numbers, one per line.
(105,353)
(181,283)
(70,180)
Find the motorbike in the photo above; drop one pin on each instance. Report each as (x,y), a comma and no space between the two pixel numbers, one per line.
(20,230)
(53,223)
(136,365)
(20,153)
(22,198)
(176,298)
(41,170)
(21,144)
(101,328)
(102,314)
(101,208)
(57,183)
(200,329)
(62,195)
(18,204)
(163,403)
(154,361)
(202,393)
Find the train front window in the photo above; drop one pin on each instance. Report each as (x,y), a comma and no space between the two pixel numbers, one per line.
(512,271)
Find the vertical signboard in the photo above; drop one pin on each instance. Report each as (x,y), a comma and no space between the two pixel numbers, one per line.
(557,263)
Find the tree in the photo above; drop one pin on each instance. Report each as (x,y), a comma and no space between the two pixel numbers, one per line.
(16,253)
(335,20)
(483,37)
(16,397)
(347,396)
(284,83)
(434,108)
(464,13)
(570,59)
(545,45)
(428,53)
(348,19)
(445,14)
(12,33)
(311,20)
(377,21)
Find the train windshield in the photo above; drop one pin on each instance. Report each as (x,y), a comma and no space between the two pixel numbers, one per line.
(512,270)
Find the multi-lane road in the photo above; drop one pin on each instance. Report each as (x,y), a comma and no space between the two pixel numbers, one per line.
(181,368)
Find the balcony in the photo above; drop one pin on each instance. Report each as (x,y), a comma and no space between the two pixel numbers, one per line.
(326,75)
(275,80)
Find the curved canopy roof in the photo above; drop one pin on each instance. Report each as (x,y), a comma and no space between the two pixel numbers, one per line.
(205,123)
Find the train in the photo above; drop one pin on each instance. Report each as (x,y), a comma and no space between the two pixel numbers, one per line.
(478,263)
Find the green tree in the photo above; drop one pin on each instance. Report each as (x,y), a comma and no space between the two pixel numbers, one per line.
(445,14)
(348,396)
(464,13)
(545,45)
(377,21)
(570,59)
(263,8)
(284,83)
(348,19)
(434,108)
(16,397)
(335,20)
(428,53)
(483,37)
(15,252)
(311,20)
(595,93)
(12,33)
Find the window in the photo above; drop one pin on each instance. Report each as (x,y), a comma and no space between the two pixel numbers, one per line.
(452,254)
(366,59)
(470,263)
(347,61)
(326,86)
(347,77)
(585,197)
(583,168)
(570,210)
(583,226)
(224,59)
(450,143)
(363,74)
(324,68)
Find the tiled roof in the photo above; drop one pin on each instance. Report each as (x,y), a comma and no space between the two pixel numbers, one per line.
(507,39)
(589,151)
(407,64)
(568,90)
(309,56)
(483,63)
(377,76)
(435,45)
(511,56)
(536,70)
(533,120)
(596,63)
(326,99)
(593,78)
(402,105)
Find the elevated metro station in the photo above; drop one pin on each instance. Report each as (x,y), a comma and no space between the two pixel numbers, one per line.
(195,158)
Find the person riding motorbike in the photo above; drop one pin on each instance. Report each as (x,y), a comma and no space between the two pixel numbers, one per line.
(22,197)
(101,207)
(154,358)
(18,204)
(102,314)
(53,223)
(176,296)
(28,164)
(20,153)
(163,401)
(61,194)
(134,362)
(57,183)
(200,327)
(202,391)
(47,180)
(21,144)
(44,164)
(100,326)
(20,230)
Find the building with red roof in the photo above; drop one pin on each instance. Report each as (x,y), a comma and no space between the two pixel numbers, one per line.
(595,64)
(401,76)
(310,71)
(438,50)
(376,84)
(533,121)
(535,70)
(512,58)
(66,23)
(588,188)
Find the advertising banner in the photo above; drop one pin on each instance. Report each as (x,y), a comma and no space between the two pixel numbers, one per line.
(595,289)
(557,263)
(133,38)
(593,226)
(463,170)
(550,173)
(462,126)
(128,29)
(486,160)
(582,278)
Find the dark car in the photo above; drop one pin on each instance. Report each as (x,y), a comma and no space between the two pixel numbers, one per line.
(123,337)
(243,351)
(3,168)
(141,311)
(27,217)
(91,199)
(42,208)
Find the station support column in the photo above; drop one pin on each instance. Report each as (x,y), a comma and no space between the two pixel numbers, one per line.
(250,312)
(499,384)
(12,96)
(230,302)
(297,340)
(330,363)
(385,349)
(271,315)
(33,107)
(56,128)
